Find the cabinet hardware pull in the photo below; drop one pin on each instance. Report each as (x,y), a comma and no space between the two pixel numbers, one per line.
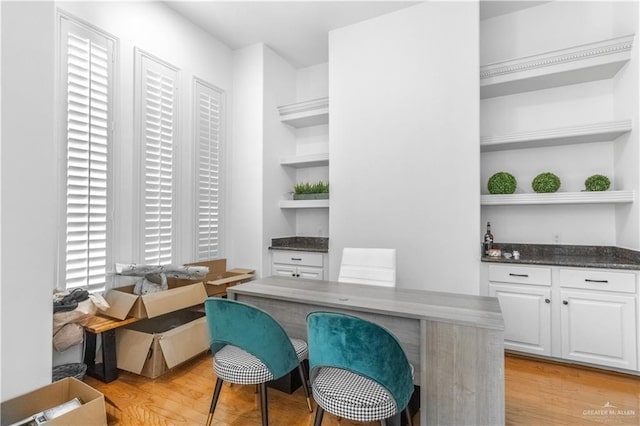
(596,281)
(547,300)
(296,258)
(519,275)
(565,302)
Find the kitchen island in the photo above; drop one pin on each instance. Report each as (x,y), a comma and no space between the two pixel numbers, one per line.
(455,342)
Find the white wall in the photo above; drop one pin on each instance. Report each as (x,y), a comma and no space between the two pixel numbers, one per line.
(552,26)
(626,151)
(30,173)
(28,195)
(404,157)
(245,161)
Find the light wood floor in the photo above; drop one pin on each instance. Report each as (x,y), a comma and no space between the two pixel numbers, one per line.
(537,393)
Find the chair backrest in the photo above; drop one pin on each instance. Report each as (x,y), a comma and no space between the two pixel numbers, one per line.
(251,329)
(362,347)
(375,266)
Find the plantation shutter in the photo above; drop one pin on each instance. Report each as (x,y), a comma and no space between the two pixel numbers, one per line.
(87,64)
(158,130)
(208,124)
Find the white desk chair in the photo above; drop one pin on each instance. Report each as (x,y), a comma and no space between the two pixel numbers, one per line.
(374,266)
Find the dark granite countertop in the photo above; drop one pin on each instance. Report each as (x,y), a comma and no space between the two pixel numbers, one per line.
(564,255)
(316,244)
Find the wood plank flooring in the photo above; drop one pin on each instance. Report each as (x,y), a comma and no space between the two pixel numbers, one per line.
(537,393)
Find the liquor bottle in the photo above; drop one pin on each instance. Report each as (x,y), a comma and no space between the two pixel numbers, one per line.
(488,240)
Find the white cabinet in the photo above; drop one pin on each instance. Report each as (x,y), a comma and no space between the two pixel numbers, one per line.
(299,264)
(526,310)
(524,294)
(585,315)
(598,317)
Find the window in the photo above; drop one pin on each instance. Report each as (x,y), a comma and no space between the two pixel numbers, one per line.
(208,110)
(157,112)
(86,69)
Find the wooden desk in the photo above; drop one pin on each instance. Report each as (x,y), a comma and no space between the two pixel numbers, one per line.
(455,342)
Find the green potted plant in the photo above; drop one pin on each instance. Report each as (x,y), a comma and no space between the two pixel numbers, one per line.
(311,190)
(502,183)
(545,182)
(597,183)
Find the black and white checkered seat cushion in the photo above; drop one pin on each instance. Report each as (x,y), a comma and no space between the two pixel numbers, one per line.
(236,365)
(352,396)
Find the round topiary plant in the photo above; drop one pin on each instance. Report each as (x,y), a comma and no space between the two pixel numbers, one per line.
(502,183)
(546,182)
(597,183)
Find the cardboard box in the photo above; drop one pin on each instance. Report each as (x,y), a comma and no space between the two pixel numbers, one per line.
(91,412)
(218,279)
(151,347)
(123,303)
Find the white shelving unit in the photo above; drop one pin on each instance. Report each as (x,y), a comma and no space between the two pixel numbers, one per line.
(305,114)
(304,204)
(585,197)
(597,132)
(300,161)
(579,64)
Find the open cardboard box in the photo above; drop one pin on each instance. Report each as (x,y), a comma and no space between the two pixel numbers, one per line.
(123,303)
(218,278)
(153,346)
(91,412)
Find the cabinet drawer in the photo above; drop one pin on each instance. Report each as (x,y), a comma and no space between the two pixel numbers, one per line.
(297,258)
(597,279)
(520,275)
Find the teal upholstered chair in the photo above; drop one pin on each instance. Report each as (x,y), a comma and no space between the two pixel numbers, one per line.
(357,369)
(250,347)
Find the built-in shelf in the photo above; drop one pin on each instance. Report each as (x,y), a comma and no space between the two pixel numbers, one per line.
(583,197)
(589,62)
(310,160)
(304,204)
(596,132)
(305,114)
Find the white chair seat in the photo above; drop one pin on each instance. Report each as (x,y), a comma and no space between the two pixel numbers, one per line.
(236,365)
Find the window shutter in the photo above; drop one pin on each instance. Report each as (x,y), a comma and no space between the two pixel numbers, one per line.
(87,59)
(209,131)
(158,130)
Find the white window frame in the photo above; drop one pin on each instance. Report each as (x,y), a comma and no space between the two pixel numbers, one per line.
(64,23)
(215,135)
(143,62)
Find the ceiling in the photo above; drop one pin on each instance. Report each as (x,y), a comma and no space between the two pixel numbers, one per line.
(298,30)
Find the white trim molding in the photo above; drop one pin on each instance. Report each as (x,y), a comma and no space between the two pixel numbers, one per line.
(588,62)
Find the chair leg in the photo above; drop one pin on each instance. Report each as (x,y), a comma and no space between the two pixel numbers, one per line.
(305,386)
(214,401)
(263,404)
(409,419)
(319,415)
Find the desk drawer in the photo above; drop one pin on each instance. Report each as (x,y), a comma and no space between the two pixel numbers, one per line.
(598,279)
(520,275)
(297,258)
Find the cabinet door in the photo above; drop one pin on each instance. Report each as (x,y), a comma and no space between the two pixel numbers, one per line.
(310,272)
(599,328)
(527,317)
(283,270)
